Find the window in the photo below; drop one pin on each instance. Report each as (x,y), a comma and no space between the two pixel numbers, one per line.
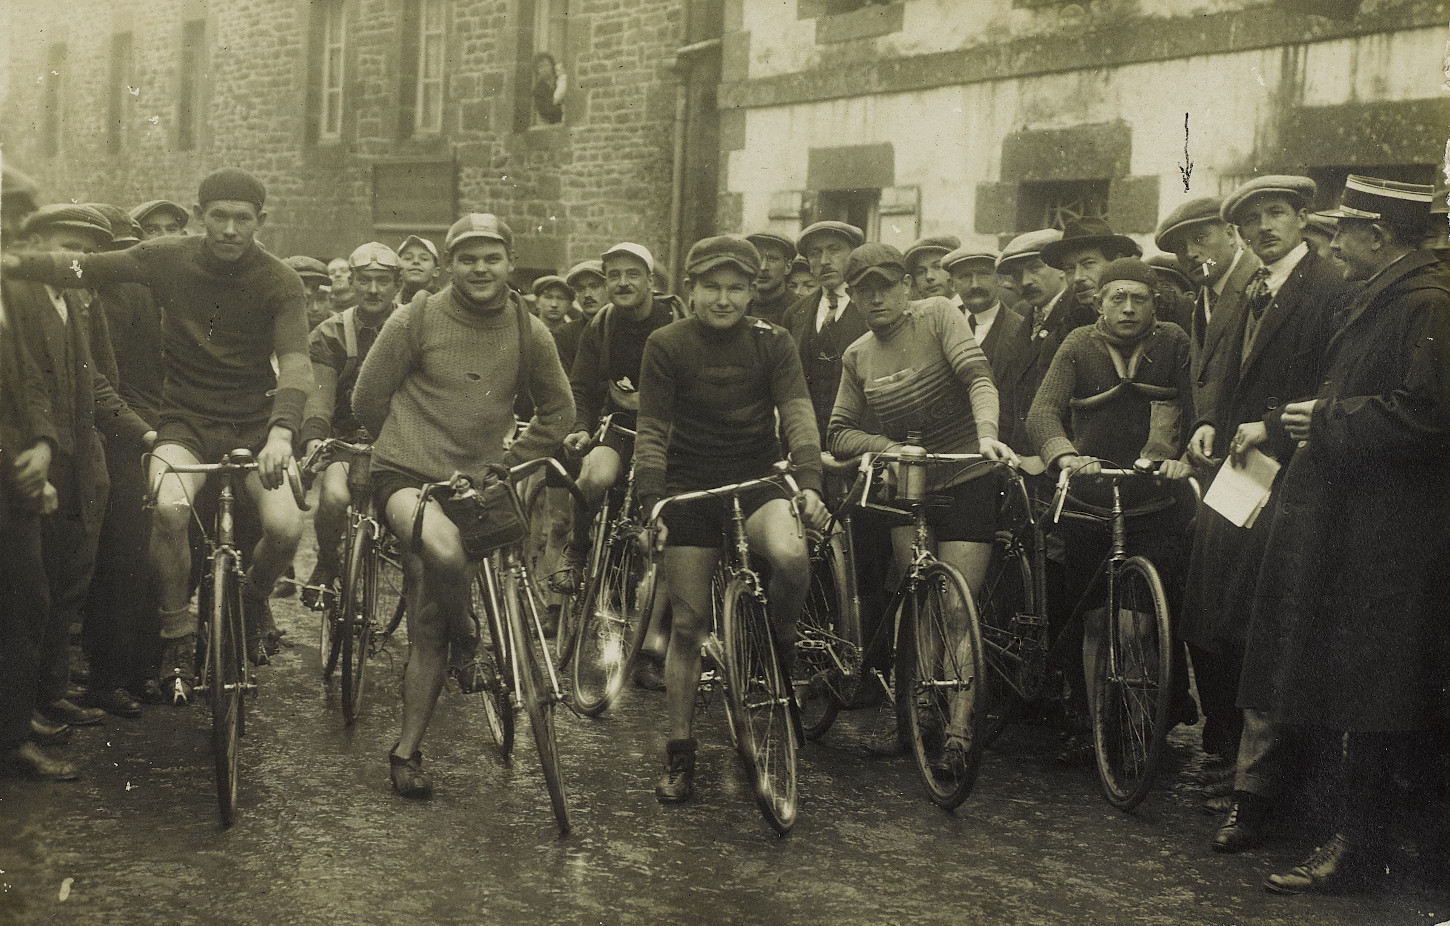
(53,127)
(118,113)
(861,208)
(334,31)
(1054,203)
(551,32)
(188,104)
(431,32)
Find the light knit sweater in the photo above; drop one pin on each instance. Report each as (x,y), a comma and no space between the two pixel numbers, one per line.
(440,395)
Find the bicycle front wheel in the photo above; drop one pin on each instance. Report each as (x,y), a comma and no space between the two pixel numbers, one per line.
(828,649)
(225,680)
(498,710)
(537,692)
(759,696)
(359,591)
(939,684)
(1014,637)
(609,619)
(1132,685)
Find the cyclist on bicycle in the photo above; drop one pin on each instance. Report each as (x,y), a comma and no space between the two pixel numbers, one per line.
(229,307)
(338,347)
(1119,390)
(710,391)
(919,377)
(438,390)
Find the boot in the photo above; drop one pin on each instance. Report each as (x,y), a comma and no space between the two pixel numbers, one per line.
(1333,867)
(1244,828)
(677,785)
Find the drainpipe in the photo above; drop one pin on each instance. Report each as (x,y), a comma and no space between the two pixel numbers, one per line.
(683,66)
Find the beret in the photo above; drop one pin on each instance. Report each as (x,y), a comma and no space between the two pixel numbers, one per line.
(638,251)
(1088,232)
(781,241)
(1301,189)
(944,243)
(1128,268)
(558,282)
(722,250)
(962,255)
(484,225)
(875,259)
(231,183)
(595,267)
(69,215)
(855,236)
(1028,244)
(145,209)
(1194,212)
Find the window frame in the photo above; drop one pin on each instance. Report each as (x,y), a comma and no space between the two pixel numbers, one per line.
(438,36)
(332,94)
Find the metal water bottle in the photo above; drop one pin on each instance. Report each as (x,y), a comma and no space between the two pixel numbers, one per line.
(911,486)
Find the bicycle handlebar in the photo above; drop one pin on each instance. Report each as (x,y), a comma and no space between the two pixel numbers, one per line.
(524,469)
(1142,469)
(236,461)
(783,470)
(607,424)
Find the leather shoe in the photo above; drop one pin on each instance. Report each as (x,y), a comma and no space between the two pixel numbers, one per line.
(29,761)
(67,711)
(115,701)
(1244,828)
(45,733)
(649,672)
(1333,867)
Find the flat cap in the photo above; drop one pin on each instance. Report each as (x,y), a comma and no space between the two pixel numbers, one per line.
(762,238)
(800,264)
(595,267)
(1028,245)
(944,244)
(124,230)
(721,251)
(875,259)
(558,282)
(140,212)
(374,256)
(1375,200)
(231,183)
(1299,189)
(482,225)
(68,215)
(308,267)
(1088,232)
(427,245)
(638,251)
(965,255)
(1194,212)
(1166,265)
(855,236)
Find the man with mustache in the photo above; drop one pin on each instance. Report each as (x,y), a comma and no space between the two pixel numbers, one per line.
(993,325)
(590,292)
(772,296)
(825,324)
(924,263)
(1267,354)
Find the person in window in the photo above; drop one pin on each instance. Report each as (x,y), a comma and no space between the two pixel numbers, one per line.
(550,82)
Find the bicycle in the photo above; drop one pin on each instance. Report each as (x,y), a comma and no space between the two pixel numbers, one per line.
(223,674)
(360,615)
(939,668)
(608,622)
(741,658)
(523,672)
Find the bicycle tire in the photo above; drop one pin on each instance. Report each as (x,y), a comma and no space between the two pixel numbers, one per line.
(1013,637)
(359,589)
(1130,709)
(929,663)
(537,695)
(225,682)
(330,639)
(829,638)
(610,625)
(759,696)
(498,710)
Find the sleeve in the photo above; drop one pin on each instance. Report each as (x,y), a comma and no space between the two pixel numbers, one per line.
(1047,421)
(797,414)
(1314,338)
(328,354)
(1412,419)
(853,429)
(289,344)
(971,367)
(553,401)
(113,417)
(63,269)
(656,411)
(586,379)
(36,410)
(387,364)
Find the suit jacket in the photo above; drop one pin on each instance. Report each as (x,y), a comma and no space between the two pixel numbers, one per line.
(823,365)
(1227,313)
(1006,328)
(1023,360)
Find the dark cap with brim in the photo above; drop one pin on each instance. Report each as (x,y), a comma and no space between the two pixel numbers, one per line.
(124,231)
(763,239)
(722,251)
(308,268)
(1167,265)
(944,244)
(967,256)
(68,215)
(595,267)
(1027,246)
(557,282)
(140,212)
(1088,232)
(484,226)
(853,235)
(1198,211)
(1296,189)
(875,259)
(1373,200)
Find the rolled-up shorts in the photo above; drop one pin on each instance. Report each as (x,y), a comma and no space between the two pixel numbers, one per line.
(211,439)
(702,523)
(971,515)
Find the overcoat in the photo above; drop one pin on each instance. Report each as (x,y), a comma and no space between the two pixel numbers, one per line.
(1284,367)
(1348,621)
(1227,313)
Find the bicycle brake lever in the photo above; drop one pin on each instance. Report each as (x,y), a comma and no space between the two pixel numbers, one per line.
(1059,498)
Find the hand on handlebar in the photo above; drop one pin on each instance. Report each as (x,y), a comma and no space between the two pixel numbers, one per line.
(1175,469)
(275,457)
(578,442)
(1078,465)
(813,509)
(998,451)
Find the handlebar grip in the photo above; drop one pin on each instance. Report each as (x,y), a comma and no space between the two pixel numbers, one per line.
(299,491)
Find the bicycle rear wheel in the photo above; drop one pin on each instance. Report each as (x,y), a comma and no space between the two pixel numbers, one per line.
(828,649)
(1133,685)
(1014,637)
(537,692)
(759,696)
(330,636)
(359,589)
(498,710)
(609,625)
(939,673)
(225,680)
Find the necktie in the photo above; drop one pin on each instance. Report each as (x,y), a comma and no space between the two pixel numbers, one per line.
(972,320)
(1257,294)
(832,302)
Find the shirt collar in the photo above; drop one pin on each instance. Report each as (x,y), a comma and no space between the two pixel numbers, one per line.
(1280,269)
(1221,282)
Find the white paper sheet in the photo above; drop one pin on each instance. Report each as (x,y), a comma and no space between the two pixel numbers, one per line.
(1240,493)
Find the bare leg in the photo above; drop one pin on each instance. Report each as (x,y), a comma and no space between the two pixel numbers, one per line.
(690,570)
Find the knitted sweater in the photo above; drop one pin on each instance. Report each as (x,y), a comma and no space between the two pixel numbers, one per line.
(439,392)
(925,374)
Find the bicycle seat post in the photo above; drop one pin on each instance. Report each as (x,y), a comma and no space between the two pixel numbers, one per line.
(1120,523)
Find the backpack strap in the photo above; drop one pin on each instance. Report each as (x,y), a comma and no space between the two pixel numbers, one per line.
(415,322)
(349,334)
(523,384)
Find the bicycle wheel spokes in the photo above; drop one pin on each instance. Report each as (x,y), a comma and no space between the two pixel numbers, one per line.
(1013,637)
(607,632)
(538,695)
(939,685)
(821,654)
(225,681)
(1132,686)
(760,706)
(359,592)
(497,696)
